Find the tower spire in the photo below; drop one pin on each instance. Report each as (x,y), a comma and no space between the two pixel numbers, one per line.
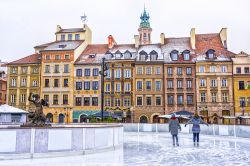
(144,28)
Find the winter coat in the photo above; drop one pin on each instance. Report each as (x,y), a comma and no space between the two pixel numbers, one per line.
(174,126)
(196,121)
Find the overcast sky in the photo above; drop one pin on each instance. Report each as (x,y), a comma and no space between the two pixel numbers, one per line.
(26,23)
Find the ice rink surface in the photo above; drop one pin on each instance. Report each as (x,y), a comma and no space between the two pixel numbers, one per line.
(155,149)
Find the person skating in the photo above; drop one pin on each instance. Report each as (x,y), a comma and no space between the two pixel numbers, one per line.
(196,121)
(174,125)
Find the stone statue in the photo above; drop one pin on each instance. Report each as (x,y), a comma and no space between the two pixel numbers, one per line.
(37,118)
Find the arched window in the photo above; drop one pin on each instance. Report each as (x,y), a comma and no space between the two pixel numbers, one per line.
(49,118)
(61,118)
(186,55)
(83,118)
(174,55)
(143,55)
(143,119)
(153,55)
(127,55)
(210,54)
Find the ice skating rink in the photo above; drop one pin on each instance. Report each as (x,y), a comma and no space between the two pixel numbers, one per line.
(157,149)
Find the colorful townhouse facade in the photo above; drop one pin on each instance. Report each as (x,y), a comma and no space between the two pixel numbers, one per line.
(3,82)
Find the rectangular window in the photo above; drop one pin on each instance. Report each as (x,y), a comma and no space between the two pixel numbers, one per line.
(149,100)
(224,83)
(158,100)
(69,36)
(238,70)
(202,83)
(179,99)
(127,87)
(94,101)
(66,82)
(23,98)
(127,73)
(56,82)
(58,57)
(242,102)
(62,37)
(65,99)
(241,85)
(139,85)
(55,99)
(170,70)
(77,36)
(95,72)
(35,83)
(213,69)
(13,98)
(139,70)
(213,83)
(66,56)
(13,82)
(117,87)
(86,85)
(86,101)
(23,83)
(78,85)
(117,102)
(78,72)
(179,84)
(201,69)
(223,69)
(78,101)
(203,97)
(189,99)
(56,69)
(46,98)
(47,69)
(224,97)
(179,70)
(170,84)
(246,69)
(214,97)
(95,85)
(66,68)
(108,74)
(186,56)
(148,85)
(148,70)
(189,71)
(117,73)
(157,85)
(189,84)
(126,102)
(86,72)
(170,99)
(158,71)
(47,57)
(139,101)
(107,87)
(107,102)
(46,83)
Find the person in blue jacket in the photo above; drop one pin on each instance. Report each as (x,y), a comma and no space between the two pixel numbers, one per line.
(196,121)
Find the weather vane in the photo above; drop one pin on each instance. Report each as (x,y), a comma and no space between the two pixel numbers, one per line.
(84,18)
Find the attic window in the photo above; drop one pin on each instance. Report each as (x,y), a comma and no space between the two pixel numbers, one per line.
(143,55)
(174,55)
(127,55)
(210,54)
(153,55)
(109,55)
(186,55)
(118,55)
(62,45)
(92,55)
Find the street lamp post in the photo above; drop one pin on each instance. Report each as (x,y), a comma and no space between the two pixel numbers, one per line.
(104,67)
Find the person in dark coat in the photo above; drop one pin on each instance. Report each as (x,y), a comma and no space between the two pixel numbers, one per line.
(174,125)
(196,121)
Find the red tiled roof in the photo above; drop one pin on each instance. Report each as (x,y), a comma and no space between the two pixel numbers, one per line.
(205,42)
(96,49)
(31,59)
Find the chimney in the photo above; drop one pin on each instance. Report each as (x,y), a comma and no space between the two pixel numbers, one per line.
(223,37)
(111,41)
(192,38)
(137,41)
(162,37)
(58,28)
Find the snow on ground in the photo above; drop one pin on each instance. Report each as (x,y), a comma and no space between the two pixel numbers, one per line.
(155,149)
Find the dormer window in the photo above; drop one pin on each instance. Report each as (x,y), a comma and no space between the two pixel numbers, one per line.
(143,55)
(62,45)
(69,36)
(186,55)
(127,55)
(92,56)
(174,55)
(153,55)
(109,55)
(77,36)
(210,54)
(118,55)
(62,37)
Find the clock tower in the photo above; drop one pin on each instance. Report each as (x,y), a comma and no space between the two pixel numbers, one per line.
(145,29)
